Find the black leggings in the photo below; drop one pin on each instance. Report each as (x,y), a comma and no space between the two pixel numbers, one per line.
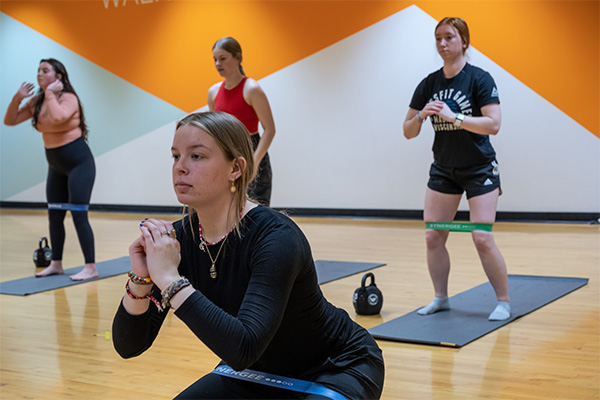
(260,188)
(71,174)
(358,373)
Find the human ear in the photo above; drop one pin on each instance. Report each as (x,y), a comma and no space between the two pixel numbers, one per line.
(238,167)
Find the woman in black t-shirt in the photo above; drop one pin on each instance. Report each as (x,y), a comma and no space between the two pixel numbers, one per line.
(462,102)
(242,278)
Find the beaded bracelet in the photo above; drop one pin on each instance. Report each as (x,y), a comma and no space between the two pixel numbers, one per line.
(172,289)
(148,296)
(140,280)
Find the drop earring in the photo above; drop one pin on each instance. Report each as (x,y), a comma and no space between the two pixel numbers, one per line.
(233,189)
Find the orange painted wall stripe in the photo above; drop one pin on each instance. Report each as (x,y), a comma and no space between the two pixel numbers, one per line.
(164,47)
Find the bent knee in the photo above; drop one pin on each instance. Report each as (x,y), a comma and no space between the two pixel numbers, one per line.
(435,238)
(484,241)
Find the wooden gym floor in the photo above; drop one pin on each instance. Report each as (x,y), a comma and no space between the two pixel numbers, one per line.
(56,345)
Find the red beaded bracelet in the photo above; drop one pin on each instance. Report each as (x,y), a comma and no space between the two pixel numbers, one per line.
(148,296)
(140,280)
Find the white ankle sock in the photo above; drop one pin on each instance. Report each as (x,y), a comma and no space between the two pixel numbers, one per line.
(438,304)
(501,312)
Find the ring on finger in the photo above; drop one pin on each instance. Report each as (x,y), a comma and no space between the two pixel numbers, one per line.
(170,233)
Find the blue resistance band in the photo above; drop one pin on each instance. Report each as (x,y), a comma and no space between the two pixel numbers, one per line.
(68,206)
(281,382)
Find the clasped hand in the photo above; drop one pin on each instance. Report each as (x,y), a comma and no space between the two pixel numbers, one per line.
(155,253)
(440,108)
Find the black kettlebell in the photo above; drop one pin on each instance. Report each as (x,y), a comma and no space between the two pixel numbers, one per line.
(367,300)
(42,255)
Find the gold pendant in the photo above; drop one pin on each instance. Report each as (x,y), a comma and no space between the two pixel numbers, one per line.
(213,272)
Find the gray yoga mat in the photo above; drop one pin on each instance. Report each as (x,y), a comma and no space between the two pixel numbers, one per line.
(327,271)
(32,285)
(467,318)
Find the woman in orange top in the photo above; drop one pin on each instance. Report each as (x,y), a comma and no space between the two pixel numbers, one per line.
(243,98)
(56,112)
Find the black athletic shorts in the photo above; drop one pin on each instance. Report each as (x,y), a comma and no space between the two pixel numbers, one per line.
(475,180)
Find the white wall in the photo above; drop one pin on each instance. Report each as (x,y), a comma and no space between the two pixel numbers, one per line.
(339,142)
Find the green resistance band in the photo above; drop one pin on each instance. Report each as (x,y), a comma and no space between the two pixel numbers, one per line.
(458,226)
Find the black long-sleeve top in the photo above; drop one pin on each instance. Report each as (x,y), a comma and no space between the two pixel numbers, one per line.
(264,310)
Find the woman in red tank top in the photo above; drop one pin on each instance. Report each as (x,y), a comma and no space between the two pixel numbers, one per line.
(243,98)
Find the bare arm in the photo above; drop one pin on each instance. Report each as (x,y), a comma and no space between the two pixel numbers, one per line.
(212,93)
(257,98)
(15,114)
(60,109)
(487,124)
(412,127)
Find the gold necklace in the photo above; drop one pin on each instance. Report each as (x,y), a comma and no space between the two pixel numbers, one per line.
(213,269)
(204,247)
